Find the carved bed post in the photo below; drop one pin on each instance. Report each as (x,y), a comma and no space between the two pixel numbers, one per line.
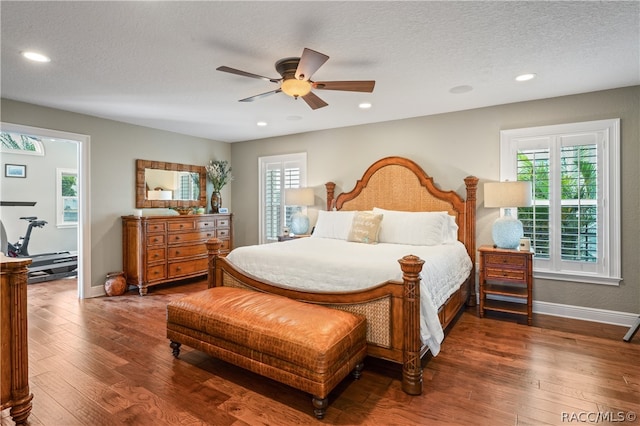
(330,195)
(471,183)
(411,364)
(213,250)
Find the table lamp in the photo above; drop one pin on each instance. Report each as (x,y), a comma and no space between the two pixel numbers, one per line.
(299,197)
(507,230)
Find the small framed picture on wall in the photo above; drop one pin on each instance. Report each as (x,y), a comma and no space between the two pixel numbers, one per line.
(15,170)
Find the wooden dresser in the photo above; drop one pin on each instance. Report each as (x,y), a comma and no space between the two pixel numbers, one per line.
(14,362)
(160,249)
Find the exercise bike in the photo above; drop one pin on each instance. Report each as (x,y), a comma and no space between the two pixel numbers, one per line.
(46,266)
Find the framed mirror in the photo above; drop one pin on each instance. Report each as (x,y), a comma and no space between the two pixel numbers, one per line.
(162,184)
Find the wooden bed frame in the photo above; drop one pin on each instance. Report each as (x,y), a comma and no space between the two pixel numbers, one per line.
(392,308)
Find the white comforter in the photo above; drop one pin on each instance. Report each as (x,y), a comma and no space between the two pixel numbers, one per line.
(325,264)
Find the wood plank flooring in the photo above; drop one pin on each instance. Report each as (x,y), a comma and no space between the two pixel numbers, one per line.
(106,361)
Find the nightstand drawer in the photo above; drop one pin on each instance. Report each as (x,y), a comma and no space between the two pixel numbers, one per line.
(505,274)
(504,260)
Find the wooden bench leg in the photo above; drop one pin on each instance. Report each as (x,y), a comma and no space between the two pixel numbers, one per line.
(319,406)
(357,372)
(176,348)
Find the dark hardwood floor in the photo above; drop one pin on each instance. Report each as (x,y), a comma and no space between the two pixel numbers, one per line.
(106,361)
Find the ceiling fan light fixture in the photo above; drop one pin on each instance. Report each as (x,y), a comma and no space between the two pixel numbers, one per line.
(295,88)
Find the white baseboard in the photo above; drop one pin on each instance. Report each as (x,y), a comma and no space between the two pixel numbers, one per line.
(625,319)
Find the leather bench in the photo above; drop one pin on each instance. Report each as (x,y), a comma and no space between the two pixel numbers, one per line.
(309,347)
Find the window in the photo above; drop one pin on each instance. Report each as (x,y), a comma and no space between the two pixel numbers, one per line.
(18,143)
(278,173)
(188,187)
(574,222)
(67,197)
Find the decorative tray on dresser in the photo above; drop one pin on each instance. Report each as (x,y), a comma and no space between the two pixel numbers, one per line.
(160,249)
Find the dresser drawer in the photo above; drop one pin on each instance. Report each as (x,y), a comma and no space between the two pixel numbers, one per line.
(189,237)
(504,260)
(183,225)
(505,274)
(222,223)
(204,225)
(156,239)
(156,254)
(184,251)
(156,227)
(188,267)
(223,233)
(156,272)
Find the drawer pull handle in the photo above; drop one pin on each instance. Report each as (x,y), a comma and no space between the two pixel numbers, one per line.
(208,235)
(155,240)
(177,252)
(178,269)
(177,238)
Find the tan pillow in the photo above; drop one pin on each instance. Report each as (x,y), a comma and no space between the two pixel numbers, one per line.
(365,228)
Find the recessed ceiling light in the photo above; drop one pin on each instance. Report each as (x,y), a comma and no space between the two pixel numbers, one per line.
(364,105)
(36,57)
(261,123)
(525,77)
(460,89)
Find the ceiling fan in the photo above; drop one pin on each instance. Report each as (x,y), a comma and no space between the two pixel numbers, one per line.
(296,79)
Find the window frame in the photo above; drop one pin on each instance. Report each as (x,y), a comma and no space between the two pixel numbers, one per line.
(263,163)
(61,222)
(608,268)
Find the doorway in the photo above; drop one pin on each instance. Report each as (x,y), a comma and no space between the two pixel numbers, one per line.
(83,234)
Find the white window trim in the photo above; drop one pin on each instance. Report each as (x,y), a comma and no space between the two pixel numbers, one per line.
(262,164)
(611,243)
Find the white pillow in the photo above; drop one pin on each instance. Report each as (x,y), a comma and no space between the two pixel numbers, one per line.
(333,224)
(451,231)
(416,228)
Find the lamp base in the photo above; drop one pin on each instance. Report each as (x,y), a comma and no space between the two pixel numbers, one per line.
(299,223)
(506,232)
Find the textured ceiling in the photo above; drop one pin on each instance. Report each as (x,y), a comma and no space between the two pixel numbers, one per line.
(153,63)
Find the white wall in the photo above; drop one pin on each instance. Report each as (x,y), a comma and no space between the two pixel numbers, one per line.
(449,147)
(114,147)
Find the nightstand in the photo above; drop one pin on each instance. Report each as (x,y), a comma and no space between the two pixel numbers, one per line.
(508,273)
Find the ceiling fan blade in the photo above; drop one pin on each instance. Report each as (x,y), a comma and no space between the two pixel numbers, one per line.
(247,74)
(309,63)
(351,86)
(314,101)
(260,96)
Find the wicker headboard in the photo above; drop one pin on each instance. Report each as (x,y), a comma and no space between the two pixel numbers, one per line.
(396,183)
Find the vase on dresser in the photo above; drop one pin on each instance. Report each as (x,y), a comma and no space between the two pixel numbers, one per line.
(216,202)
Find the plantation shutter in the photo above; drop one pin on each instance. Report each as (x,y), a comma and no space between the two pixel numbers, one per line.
(533,166)
(277,174)
(579,211)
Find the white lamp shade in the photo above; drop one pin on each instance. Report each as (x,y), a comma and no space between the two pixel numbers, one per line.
(298,197)
(507,194)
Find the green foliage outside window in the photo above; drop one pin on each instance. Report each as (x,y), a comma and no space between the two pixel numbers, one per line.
(578,212)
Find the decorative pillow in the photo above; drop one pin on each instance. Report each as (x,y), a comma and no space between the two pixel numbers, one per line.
(365,227)
(334,224)
(451,231)
(415,228)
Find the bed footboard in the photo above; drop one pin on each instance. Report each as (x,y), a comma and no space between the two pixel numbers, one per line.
(392,310)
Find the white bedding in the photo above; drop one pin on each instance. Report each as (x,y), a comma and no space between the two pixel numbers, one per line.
(325,264)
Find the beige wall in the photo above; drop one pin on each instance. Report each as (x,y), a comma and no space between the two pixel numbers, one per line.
(114,147)
(449,147)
